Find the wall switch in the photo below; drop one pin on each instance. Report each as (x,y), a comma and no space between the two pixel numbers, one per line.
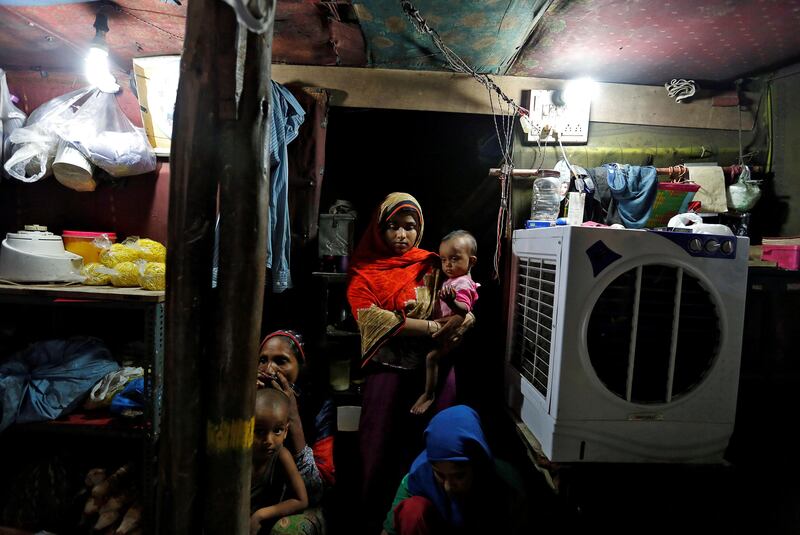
(550,120)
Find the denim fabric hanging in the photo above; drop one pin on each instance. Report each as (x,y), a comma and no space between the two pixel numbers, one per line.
(634,188)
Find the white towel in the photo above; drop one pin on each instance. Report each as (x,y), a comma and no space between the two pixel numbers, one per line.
(711,194)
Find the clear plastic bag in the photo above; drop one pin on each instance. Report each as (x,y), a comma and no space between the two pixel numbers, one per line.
(11,118)
(102,132)
(152,275)
(36,143)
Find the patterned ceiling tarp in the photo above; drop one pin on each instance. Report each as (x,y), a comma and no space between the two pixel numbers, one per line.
(649,42)
(624,41)
(484,33)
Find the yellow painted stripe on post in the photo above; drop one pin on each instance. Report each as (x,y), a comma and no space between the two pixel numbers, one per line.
(234,435)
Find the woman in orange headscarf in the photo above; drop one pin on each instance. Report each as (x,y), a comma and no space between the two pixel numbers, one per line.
(392,289)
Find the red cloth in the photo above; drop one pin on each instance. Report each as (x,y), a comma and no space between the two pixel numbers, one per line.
(416,516)
(323,458)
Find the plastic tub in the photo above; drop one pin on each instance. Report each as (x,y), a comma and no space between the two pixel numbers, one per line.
(786,256)
(72,169)
(82,243)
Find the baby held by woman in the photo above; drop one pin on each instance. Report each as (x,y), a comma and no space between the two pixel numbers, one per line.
(458,251)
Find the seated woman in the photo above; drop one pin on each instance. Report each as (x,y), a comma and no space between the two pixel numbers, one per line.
(456,486)
(392,289)
(281,363)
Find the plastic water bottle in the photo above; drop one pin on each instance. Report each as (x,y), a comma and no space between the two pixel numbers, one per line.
(546,200)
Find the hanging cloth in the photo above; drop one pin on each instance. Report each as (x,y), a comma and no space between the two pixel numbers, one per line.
(286,116)
(285,119)
(634,188)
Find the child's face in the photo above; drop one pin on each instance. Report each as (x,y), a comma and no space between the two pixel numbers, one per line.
(456,260)
(271,426)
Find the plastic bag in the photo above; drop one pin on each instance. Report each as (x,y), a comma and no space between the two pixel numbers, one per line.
(130,402)
(744,193)
(117,253)
(50,378)
(152,275)
(96,274)
(126,275)
(36,143)
(695,223)
(109,386)
(11,118)
(150,250)
(102,132)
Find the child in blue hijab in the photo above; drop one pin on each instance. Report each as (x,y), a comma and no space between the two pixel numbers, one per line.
(455,485)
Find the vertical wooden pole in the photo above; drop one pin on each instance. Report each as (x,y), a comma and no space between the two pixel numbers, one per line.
(244,205)
(209,364)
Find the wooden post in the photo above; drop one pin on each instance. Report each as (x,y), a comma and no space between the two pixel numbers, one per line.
(244,205)
(204,389)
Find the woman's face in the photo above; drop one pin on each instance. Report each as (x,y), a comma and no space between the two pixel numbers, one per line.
(454,477)
(278,355)
(401,232)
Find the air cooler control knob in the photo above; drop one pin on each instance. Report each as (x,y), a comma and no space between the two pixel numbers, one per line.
(695,245)
(712,246)
(727,247)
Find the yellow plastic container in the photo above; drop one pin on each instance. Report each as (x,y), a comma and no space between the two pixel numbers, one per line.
(82,243)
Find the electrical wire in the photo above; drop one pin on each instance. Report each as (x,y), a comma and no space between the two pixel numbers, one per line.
(454,62)
(504,125)
(148,23)
(768,166)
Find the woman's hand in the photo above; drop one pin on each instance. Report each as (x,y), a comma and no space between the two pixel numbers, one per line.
(264,379)
(295,439)
(453,329)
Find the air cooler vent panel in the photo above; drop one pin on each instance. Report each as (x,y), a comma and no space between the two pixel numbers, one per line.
(535,301)
(670,355)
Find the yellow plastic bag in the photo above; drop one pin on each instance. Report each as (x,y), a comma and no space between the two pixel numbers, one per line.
(117,253)
(150,250)
(96,274)
(152,275)
(126,275)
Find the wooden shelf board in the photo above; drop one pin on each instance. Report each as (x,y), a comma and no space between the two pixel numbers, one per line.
(91,293)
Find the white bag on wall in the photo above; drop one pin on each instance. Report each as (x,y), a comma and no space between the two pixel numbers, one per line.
(35,144)
(105,135)
(11,118)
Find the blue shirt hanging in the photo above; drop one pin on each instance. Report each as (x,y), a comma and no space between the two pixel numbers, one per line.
(286,116)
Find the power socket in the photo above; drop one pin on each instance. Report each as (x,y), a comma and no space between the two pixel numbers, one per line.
(551,121)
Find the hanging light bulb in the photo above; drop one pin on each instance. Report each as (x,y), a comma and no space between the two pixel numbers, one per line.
(96,66)
(579,91)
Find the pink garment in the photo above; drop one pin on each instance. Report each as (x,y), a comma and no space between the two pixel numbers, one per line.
(466,292)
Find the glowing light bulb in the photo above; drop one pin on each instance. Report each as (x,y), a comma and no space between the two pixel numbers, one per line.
(97,71)
(579,90)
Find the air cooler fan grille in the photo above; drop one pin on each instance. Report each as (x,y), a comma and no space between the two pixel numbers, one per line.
(671,353)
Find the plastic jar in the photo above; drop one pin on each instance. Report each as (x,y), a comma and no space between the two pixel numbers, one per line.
(546,199)
(83,243)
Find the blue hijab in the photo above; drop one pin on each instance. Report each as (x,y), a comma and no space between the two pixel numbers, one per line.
(455,434)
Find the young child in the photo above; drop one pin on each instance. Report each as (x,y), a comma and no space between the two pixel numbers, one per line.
(276,490)
(458,251)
